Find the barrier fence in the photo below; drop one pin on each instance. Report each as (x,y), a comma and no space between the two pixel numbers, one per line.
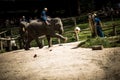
(7,39)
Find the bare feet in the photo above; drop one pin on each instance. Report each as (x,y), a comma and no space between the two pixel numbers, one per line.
(65,39)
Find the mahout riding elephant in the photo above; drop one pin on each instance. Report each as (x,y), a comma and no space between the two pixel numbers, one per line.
(36,29)
(24,35)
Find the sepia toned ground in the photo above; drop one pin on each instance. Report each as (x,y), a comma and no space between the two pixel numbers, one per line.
(65,62)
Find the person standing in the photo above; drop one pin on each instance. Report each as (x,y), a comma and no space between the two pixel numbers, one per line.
(98,25)
(44,16)
(23,19)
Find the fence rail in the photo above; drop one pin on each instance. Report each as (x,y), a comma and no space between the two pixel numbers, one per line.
(3,32)
(6,40)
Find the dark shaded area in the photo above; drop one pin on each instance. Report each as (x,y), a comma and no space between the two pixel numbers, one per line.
(12,9)
(34,7)
(62,8)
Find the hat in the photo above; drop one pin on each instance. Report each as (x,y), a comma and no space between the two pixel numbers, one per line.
(45,9)
(95,14)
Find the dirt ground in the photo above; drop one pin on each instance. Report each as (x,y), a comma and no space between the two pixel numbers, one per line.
(64,62)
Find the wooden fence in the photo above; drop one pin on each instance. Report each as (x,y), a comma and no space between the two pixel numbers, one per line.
(6,40)
(73,19)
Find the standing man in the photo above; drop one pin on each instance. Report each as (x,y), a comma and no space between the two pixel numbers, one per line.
(23,19)
(98,25)
(44,16)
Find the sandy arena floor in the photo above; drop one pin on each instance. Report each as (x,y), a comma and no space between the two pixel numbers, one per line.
(61,63)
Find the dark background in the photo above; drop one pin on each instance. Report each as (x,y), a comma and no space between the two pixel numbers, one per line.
(61,8)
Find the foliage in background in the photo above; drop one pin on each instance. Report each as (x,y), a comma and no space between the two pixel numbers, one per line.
(85,34)
(96,41)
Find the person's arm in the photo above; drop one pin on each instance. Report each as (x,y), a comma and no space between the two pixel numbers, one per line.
(101,25)
(98,21)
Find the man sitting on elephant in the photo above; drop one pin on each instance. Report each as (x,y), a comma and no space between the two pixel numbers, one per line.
(36,29)
(44,16)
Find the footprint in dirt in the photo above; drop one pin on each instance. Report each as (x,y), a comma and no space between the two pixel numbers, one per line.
(35,56)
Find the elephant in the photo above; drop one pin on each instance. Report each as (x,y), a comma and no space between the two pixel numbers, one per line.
(35,29)
(22,31)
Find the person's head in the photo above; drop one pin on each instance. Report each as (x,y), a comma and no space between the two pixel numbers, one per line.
(94,15)
(45,9)
(23,17)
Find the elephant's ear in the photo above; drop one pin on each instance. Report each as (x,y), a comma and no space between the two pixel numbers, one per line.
(54,21)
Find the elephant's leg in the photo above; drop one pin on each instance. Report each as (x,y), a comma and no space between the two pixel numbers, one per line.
(38,43)
(27,44)
(59,40)
(61,37)
(49,41)
(20,42)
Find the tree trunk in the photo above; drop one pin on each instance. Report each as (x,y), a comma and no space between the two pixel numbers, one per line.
(78,7)
(91,25)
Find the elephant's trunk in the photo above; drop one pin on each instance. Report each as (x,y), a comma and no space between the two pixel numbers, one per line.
(61,31)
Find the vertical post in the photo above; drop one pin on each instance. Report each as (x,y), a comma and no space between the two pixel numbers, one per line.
(78,7)
(1,45)
(8,39)
(76,36)
(91,25)
(114,30)
(74,20)
(43,43)
(8,44)
(59,41)
(4,34)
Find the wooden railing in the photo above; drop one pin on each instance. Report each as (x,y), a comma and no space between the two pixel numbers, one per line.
(5,40)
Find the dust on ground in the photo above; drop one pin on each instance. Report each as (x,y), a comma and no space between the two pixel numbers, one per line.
(65,62)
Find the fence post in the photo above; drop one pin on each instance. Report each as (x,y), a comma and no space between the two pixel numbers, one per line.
(76,36)
(74,20)
(76,31)
(91,25)
(1,45)
(43,43)
(114,30)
